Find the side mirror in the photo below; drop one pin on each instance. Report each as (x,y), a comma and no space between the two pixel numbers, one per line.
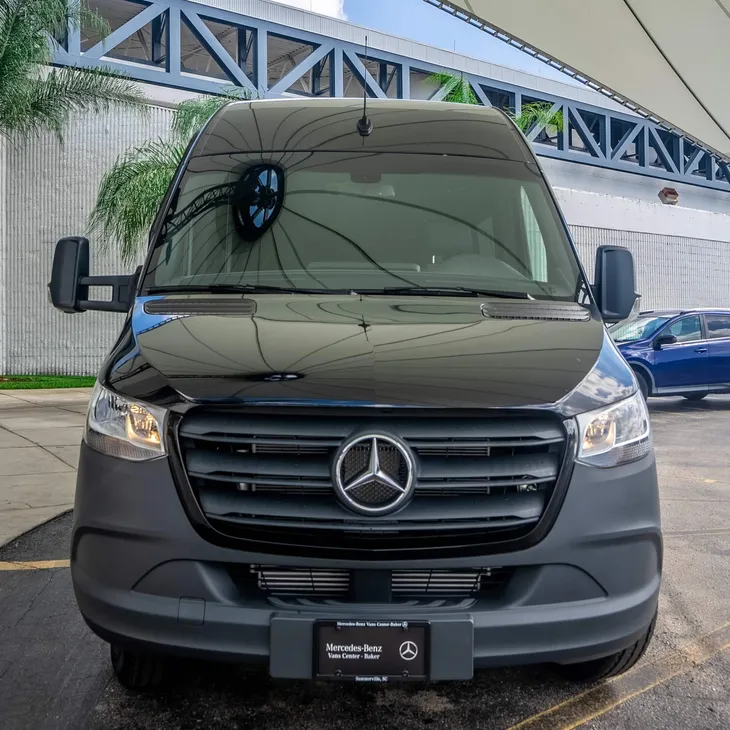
(70,281)
(659,342)
(615,285)
(70,265)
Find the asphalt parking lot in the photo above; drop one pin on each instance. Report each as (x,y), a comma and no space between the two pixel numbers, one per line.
(55,674)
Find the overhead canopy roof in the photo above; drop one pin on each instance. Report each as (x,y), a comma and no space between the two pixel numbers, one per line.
(667,59)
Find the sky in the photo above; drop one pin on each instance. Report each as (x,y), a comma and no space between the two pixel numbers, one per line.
(417,20)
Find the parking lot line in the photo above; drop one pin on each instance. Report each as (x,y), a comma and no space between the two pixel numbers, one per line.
(33,564)
(597,701)
(697,533)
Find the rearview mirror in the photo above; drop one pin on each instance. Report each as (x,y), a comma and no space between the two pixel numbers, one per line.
(615,283)
(659,342)
(70,281)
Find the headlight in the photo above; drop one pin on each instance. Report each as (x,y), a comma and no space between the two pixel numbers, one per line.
(123,428)
(615,435)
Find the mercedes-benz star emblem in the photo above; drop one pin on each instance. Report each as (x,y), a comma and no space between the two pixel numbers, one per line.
(408,651)
(374,474)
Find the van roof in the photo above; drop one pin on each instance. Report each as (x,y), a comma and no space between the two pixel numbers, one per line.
(329,125)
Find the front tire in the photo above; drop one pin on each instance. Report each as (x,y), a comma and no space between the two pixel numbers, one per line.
(137,670)
(694,397)
(610,666)
(643,384)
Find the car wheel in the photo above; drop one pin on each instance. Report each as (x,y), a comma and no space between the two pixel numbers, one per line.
(696,396)
(137,670)
(609,666)
(643,384)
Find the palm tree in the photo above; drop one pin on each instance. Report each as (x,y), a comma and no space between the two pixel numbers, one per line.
(537,114)
(453,87)
(34,99)
(457,88)
(132,190)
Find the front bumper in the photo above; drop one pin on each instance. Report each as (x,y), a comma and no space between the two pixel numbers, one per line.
(143,576)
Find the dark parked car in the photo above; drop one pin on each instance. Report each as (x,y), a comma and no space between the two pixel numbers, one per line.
(678,352)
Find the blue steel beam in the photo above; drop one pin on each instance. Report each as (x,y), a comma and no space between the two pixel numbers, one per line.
(317,71)
(300,69)
(132,26)
(483,98)
(261,70)
(358,68)
(173,61)
(558,107)
(211,44)
(159,28)
(701,168)
(246,40)
(578,123)
(662,152)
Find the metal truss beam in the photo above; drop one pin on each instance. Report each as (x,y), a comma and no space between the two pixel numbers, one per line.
(578,123)
(364,75)
(216,50)
(655,155)
(300,69)
(558,107)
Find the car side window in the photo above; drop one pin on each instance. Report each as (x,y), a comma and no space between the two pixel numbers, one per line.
(687,329)
(717,326)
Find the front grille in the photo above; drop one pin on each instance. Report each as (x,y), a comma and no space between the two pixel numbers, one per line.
(264,477)
(326,583)
(275,581)
(451,583)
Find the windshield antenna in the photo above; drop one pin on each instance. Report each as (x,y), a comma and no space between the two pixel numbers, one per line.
(365,125)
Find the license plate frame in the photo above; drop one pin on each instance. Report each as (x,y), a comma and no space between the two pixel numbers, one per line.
(403,656)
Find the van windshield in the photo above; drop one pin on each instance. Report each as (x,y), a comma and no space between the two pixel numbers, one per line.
(328,221)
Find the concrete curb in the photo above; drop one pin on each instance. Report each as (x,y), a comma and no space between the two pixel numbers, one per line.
(40,434)
(35,527)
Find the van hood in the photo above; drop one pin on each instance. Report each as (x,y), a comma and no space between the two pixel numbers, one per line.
(400,351)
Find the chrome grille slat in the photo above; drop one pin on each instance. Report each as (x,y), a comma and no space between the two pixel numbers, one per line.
(215,465)
(278,581)
(301,582)
(264,475)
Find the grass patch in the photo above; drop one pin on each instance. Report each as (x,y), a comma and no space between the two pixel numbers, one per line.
(29,382)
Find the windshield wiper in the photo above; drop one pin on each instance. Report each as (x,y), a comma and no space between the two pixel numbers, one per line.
(436,291)
(239,289)
(443,291)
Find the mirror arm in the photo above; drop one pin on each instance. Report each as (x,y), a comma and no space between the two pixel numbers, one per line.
(122,292)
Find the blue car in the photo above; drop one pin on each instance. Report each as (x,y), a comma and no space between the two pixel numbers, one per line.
(678,352)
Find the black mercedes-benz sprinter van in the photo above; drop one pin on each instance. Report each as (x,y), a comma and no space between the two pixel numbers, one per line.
(363,420)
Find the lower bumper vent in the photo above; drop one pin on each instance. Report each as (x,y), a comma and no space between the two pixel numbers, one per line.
(304,582)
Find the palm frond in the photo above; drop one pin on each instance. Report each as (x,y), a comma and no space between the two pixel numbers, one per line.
(191,114)
(81,16)
(130,195)
(538,113)
(47,102)
(27,23)
(133,188)
(455,88)
(32,100)
(23,38)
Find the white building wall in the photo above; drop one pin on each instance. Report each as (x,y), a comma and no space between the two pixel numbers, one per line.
(682,253)
(3,249)
(50,191)
(593,196)
(671,271)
